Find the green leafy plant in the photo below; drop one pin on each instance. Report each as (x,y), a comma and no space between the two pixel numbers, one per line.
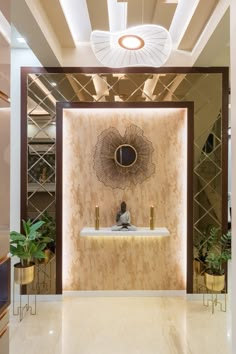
(204,242)
(30,244)
(220,255)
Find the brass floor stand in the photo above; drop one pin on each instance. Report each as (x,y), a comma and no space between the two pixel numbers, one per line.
(212,298)
(23,308)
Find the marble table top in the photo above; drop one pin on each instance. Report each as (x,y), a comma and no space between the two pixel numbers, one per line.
(141,231)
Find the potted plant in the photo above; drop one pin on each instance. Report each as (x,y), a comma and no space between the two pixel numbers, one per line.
(216,260)
(203,243)
(27,246)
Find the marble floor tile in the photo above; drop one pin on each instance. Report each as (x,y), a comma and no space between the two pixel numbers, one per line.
(121,325)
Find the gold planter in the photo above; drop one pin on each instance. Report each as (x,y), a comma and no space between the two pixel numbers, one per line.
(215,282)
(23,274)
(47,254)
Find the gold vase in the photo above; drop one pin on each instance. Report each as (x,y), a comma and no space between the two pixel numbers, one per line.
(215,282)
(23,274)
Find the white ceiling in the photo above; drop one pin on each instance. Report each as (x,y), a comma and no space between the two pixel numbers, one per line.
(15,35)
(58,31)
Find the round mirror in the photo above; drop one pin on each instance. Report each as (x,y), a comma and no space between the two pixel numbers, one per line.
(125,155)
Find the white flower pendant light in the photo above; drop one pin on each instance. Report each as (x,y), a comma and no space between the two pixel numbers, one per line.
(144,45)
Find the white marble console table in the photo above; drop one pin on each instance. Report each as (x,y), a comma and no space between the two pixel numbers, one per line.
(141,231)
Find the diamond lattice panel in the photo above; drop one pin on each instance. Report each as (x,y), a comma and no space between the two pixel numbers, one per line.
(44,90)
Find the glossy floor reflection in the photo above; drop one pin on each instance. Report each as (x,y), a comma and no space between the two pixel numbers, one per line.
(121,325)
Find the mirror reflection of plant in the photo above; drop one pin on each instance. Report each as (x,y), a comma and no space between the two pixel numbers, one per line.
(30,244)
(219,255)
(203,243)
(49,229)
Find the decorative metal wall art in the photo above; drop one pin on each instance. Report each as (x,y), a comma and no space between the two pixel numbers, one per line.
(122,161)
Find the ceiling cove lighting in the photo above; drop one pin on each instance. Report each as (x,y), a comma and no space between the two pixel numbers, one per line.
(144,45)
(21,40)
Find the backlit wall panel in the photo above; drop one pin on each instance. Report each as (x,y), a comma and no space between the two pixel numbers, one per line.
(117,263)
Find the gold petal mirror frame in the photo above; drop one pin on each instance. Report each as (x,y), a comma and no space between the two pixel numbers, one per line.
(113,163)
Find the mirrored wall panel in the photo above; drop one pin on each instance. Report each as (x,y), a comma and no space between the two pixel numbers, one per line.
(205,89)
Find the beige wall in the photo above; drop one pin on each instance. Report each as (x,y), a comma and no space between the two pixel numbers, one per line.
(5,168)
(124,262)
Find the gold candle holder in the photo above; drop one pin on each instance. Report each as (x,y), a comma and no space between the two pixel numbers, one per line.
(96,217)
(151,217)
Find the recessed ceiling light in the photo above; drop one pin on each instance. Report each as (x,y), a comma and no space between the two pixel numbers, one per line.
(54,84)
(21,40)
(131,42)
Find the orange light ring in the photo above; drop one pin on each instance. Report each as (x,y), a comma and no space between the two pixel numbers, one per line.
(122,38)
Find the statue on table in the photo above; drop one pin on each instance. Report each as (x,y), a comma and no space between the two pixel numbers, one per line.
(123,221)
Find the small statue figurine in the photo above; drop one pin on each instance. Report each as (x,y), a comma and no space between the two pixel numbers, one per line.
(43,175)
(123,221)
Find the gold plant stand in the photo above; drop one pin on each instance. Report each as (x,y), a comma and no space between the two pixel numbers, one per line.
(23,308)
(212,298)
